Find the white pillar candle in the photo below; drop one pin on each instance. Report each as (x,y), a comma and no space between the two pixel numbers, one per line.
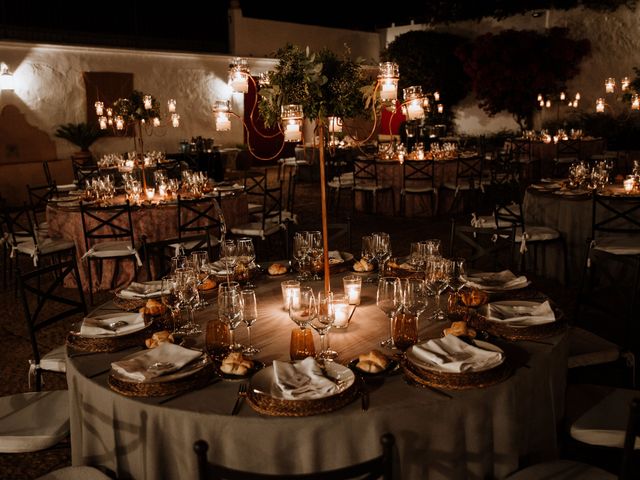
(171,105)
(628,185)
(352,288)
(239,83)
(388,90)
(147,102)
(290,293)
(292,133)
(99,108)
(341,311)
(150,192)
(415,110)
(223,123)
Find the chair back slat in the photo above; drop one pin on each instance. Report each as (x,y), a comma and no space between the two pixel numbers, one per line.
(198,216)
(619,215)
(469,171)
(104,223)
(365,170)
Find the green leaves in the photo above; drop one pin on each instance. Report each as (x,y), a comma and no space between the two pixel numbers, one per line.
(80,134)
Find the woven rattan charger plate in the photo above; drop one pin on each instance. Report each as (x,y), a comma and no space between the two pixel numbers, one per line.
(267,404)
(533,332)
(113,343)
(457,381)
(200,378)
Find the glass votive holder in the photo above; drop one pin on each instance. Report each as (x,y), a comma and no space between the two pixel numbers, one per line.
(342,311)
(629,183)
(150,192)
(290,293)
(352,288)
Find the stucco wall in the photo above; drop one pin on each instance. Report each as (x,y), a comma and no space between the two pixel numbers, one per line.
(251,37)
(615,46)
(49,90)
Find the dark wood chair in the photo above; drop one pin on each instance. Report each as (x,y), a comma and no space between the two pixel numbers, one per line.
(419,178)
(378,467)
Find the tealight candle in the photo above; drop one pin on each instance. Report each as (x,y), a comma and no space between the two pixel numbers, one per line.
(352,288)
(290,293)
(341,311)
(628,185)
(150,192)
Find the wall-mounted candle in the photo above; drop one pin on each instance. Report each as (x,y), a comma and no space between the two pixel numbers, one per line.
(175,120)
(156,122)
(389,90)
(628,185)
(119,123)
(342,311)
(292,132)
(352,288)
(171,105)
(148,102)
(150,192)
(290,293)
(99,108)
(103,122)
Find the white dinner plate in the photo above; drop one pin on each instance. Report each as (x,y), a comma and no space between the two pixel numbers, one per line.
(418,362)
(154,291)
(263,381)
(186,371)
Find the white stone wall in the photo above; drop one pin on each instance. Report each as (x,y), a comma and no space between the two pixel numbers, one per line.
(615,50)
(49,90)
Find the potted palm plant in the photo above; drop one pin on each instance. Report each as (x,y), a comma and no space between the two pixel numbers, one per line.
(82,135)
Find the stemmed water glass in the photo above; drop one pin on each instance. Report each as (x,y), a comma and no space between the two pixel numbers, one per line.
(200,263)
(322,324)
(246,256)
(417,255)
(169,298)
(303,310)
(229,256)
(437,277)
(249,317)
(315,252)
(368,253)
(301,254)
(187,292)
(230,312)
(457,272)
(389,300)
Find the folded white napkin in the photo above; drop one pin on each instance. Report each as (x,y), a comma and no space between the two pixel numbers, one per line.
(142,290)
(99,324)
(335,256)
(150,364)
(301,380)
(504,280)
(521,315)
(454,355)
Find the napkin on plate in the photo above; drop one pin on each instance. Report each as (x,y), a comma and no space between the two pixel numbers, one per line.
(142,290)
(454,355)
(335,257)
(99,325)
(521,315)
(150,364)
(302,380)
(504,280)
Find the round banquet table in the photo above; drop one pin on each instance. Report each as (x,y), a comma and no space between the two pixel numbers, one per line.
(476,433)
(154,221)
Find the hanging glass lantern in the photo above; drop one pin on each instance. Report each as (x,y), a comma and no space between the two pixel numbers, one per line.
(292,117)
(221,109)
(239,75)
(388,75)
(413,103)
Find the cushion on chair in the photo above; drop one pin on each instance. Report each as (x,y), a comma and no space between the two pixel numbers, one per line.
(417,190)
(33,421)
(586,349)
(566,160)
(254,229)
(68,187)
(619,245)
(605,423)
(119,248)
(55,360)
(562,470)
(255,207)
(537,234)
(75,473)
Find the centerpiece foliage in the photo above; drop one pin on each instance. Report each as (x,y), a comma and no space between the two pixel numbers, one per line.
(132,107)
(323,83)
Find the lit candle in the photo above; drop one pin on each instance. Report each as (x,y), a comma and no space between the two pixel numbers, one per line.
(600,105)
(147,102)
(624,84)
(290,293)
(547,104)
(239,83)
(540,97)
(171,105)
(578,96)
(388,90)
(635,102)
(103,122)
(541,103)
(440,108)
(415,110)
(292,133)
(341,311)
(352,288)
(175,120)
(436,96)
(99,108)
(609,85)
(162,190)
(629,183)
(156,122)
(223,123)
(150,192)
(119,123)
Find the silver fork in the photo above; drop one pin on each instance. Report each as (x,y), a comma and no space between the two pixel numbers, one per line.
(242,392)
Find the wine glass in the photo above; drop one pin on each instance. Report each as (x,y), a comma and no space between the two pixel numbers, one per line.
(302,310)
(246,256)
(456,279)
(367,253)
(316,253)
(322,324)
(169,298)
(230,309)
(389,300)
(382,250)
(405,330)
(200,263)
(436,276)
(229,256)
(300,254)
(414,297)
(417,255)
(188,298)
(249,316)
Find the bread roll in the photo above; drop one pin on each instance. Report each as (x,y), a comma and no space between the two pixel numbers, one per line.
(277,269)
(234,369)
(373,362)
(159,338)
(154,307)
(460,329)
(236,364)
(368,366)
(208,284)
(362,266)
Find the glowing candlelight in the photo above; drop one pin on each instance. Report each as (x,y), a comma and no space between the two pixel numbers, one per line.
(99,108)
(150,192)
(223,123)
(562,96)
(156,122)
(119,123)
(341,311)
(175,120)
(609,85)
(148,104)
(415,110)
(440,108)
(171,105)
(292,132)
(290,293)
(103,122)
(388,90)
(635,102)
(629,183)
(352,288)
(600,105)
